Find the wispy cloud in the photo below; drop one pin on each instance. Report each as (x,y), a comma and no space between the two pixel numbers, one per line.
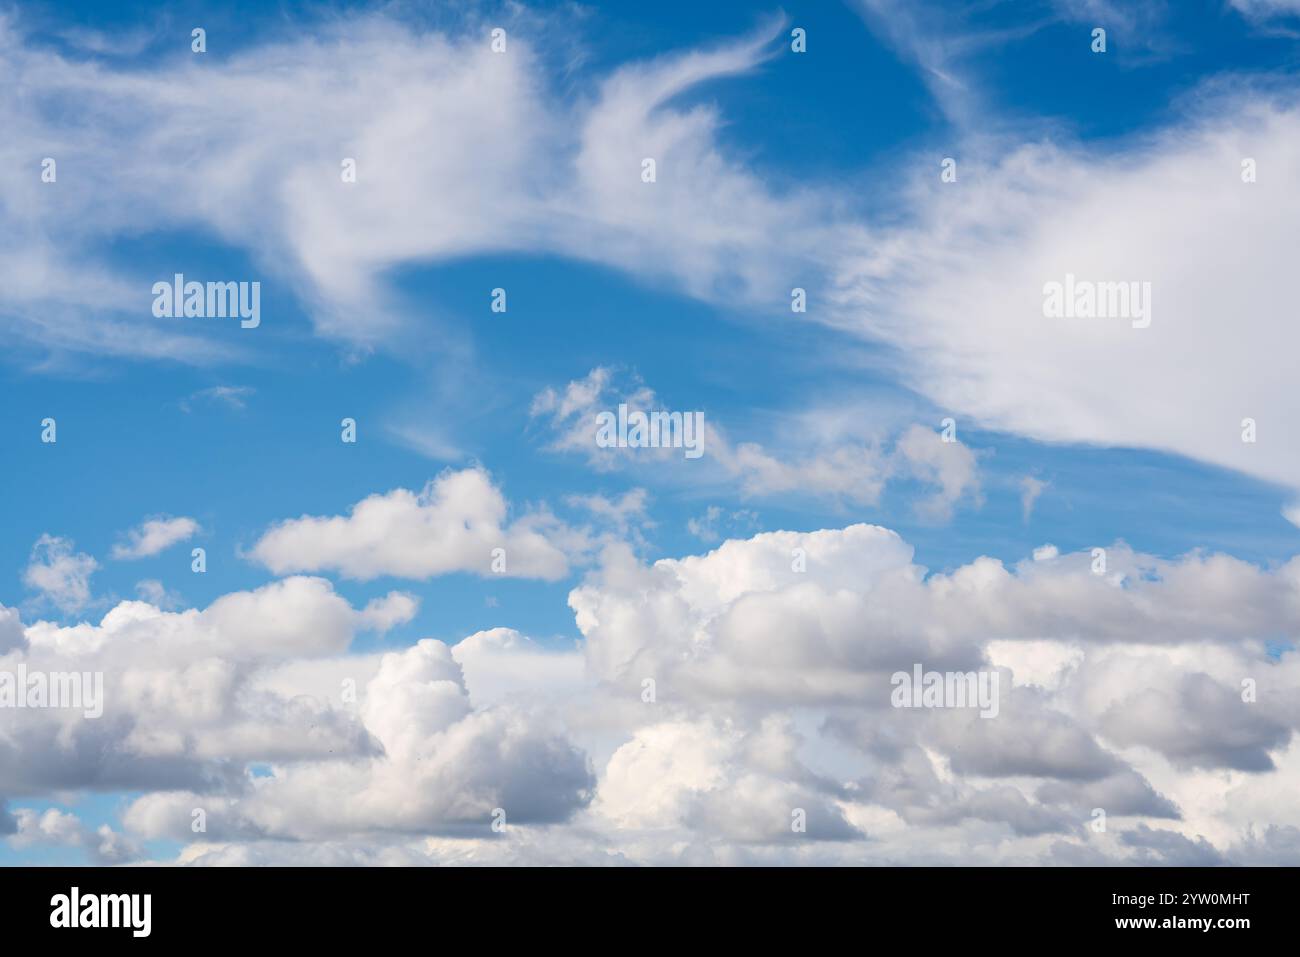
(153,536)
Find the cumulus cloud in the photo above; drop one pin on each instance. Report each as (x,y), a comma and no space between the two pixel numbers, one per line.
(153,536)
(61,829)
(735,703)
(59,574)
(441,767)
(453,524)
(194,700)
(177,704)
(1103,675)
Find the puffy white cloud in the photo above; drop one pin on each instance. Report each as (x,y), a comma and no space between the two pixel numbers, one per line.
(1102,678)
(193,701)
(745,616)
(52,826)
(384,614)
(61,575)
(716,779)
(59,828)
(714,701)
(155,535)
(452,525)
(179,701)
(442,767)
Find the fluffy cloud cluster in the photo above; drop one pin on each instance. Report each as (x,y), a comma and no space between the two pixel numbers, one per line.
(195,701)
(178,705)
(713,701)
(60,829)
(1152,692)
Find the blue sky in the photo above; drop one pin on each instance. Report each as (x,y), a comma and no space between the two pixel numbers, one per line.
(833,154)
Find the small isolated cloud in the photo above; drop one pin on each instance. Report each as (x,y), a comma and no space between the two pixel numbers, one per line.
(624,517)
(452,525)
(61,575)
(384,614)
(710,526)
(949,466)
(55,828)
(1030,489)
(232,396)
(154,592)
(705,527)
(425,440)
(153,536)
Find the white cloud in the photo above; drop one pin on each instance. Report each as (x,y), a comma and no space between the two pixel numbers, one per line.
(1266,9)
(384,614)
(704,527)
(59,828)
(822,460)
(231,396)
(420,196)
(771,693)
(1030,489)
(443,768)
(964,302)
(153,536)
(961,301)
(155,593)
(452,525)
(61,575)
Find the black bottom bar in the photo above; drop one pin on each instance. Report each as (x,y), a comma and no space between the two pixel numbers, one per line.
(364,906)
